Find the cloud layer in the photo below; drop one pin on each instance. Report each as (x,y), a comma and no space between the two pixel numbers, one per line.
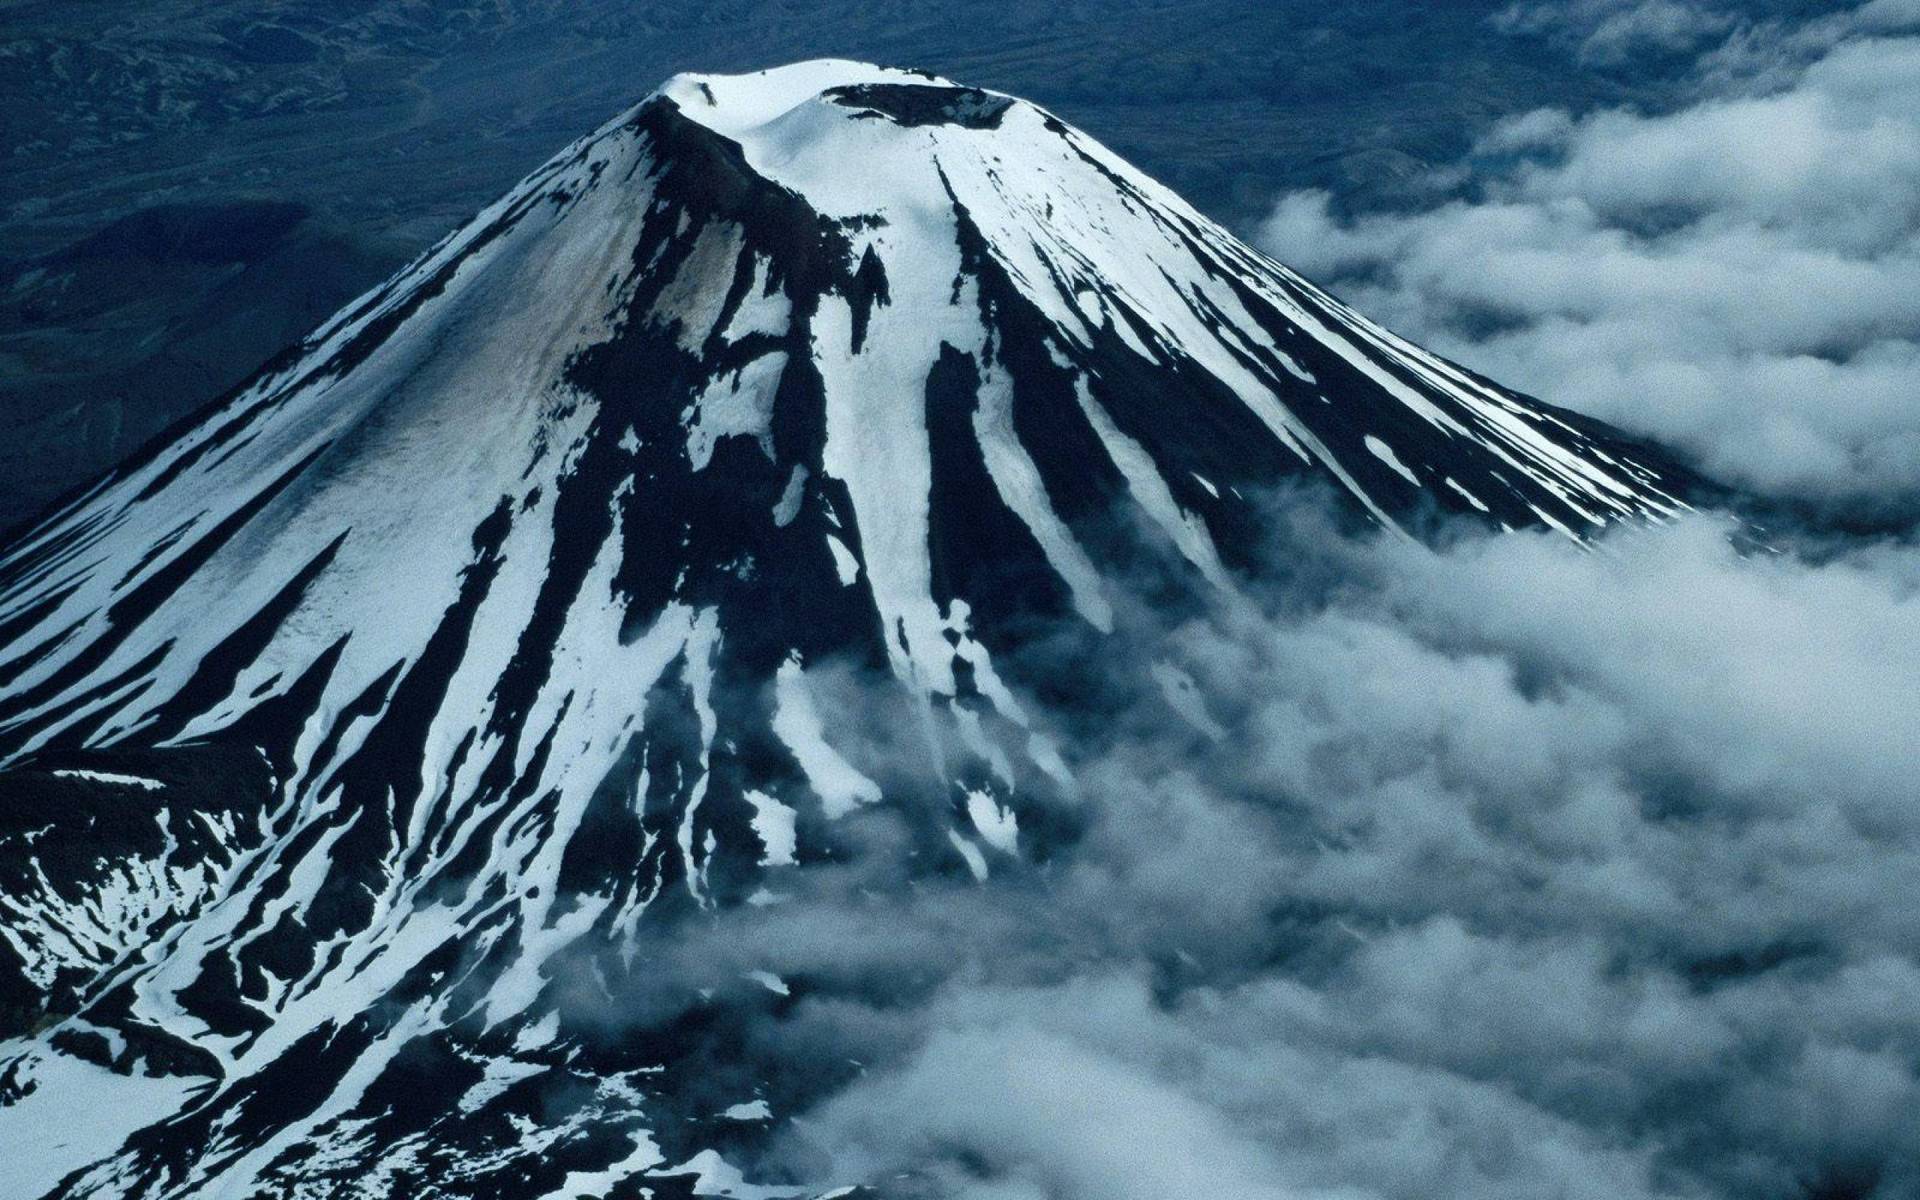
(1519,872)
(1498,871)
(1495,871)
(1739,277)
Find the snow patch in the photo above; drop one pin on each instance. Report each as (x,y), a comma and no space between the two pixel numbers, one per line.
(997,826)
(773,823)
(1385,454)
(133,781)
(844,563)
(797,723)
(1183,696)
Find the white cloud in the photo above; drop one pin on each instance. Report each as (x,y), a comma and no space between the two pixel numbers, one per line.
(1095,1089)
(1609,32)
(1739,277)
(1520,871)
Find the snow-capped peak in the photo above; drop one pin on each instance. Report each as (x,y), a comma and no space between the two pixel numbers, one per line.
(526,592)
(739,106)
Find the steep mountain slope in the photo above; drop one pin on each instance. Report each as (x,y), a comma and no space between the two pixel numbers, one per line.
(502,623)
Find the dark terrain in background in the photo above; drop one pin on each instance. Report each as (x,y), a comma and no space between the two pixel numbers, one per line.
(189,187)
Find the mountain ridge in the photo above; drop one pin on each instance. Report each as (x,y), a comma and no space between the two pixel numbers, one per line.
(524,580)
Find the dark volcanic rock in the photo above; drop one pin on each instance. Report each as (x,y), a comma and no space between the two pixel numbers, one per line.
(670,531)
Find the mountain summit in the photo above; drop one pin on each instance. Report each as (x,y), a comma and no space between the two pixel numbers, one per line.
(510,617)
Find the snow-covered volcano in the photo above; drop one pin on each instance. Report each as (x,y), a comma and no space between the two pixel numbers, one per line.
(508,617)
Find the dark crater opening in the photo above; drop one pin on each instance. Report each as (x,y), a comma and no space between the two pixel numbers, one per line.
(924,104)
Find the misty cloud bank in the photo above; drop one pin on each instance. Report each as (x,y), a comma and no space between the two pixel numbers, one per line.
(1489,872)
(1739,276)
(1509,870)
(1505,870)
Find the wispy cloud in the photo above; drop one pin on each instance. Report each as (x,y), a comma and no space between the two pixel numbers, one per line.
(1611,32)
